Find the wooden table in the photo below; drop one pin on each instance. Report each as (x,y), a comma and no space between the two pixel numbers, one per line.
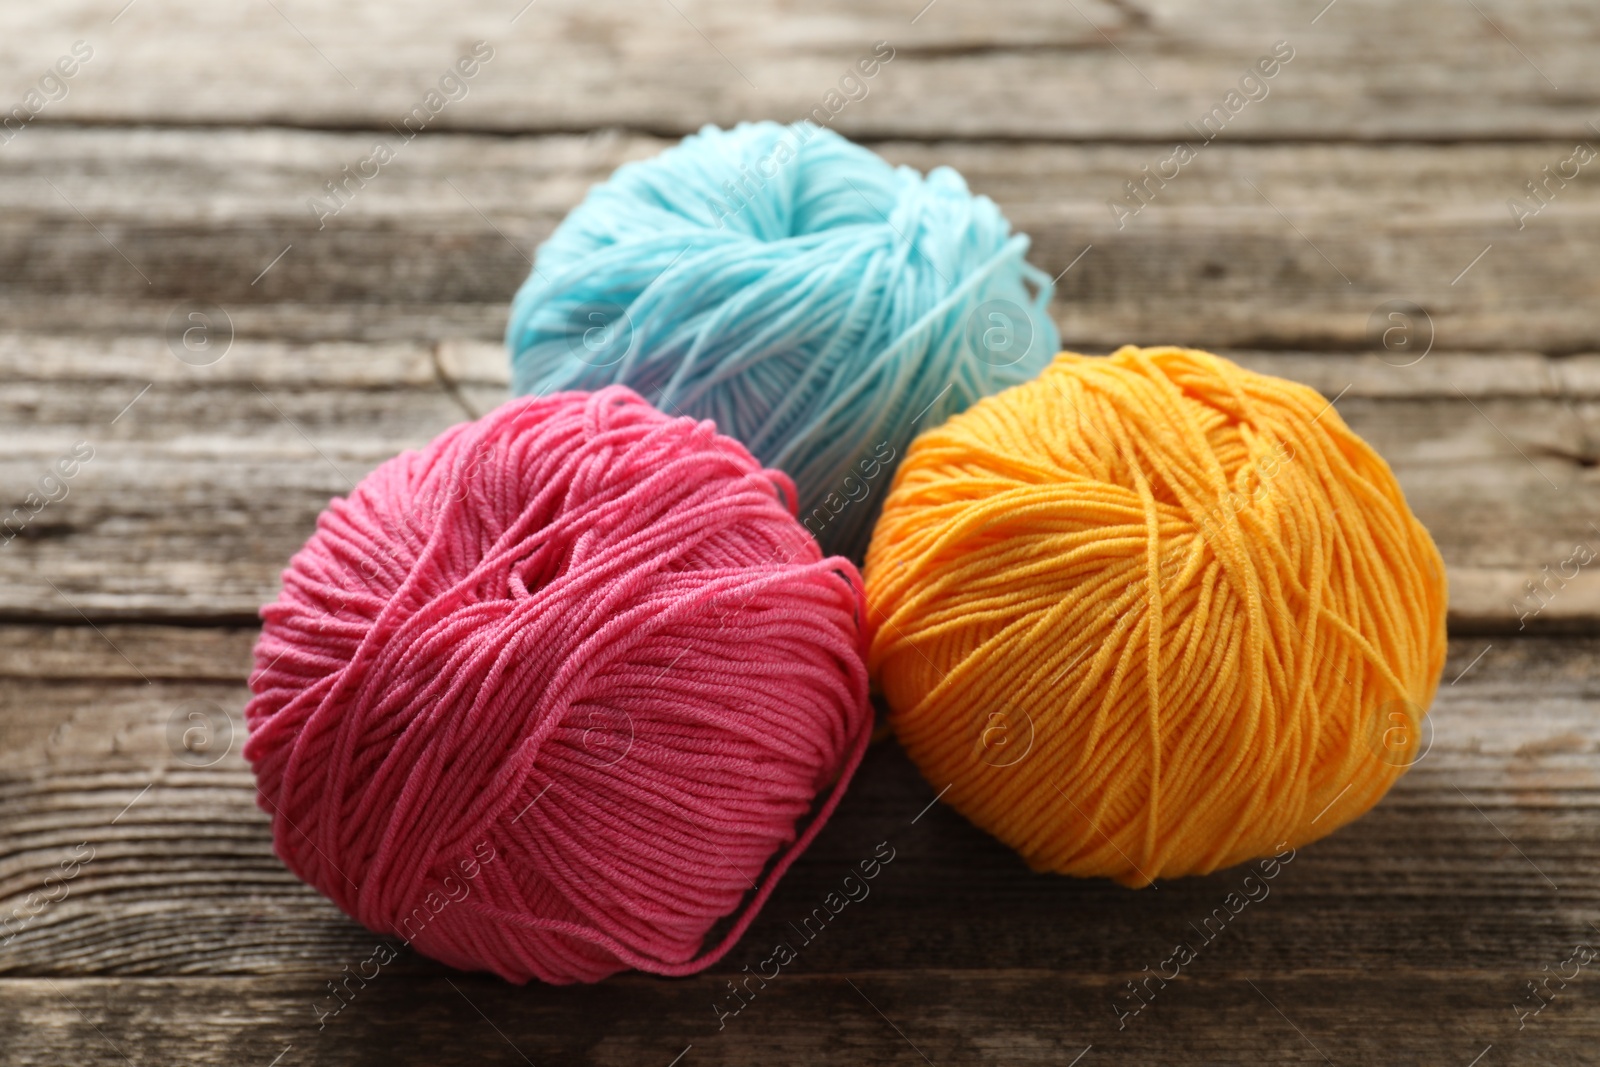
(1375,178)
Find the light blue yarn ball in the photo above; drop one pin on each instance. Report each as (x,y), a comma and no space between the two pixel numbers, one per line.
(820,305)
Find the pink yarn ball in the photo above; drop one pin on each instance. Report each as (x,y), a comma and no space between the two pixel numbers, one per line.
(546,697)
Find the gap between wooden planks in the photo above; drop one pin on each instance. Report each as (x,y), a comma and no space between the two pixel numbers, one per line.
(185,941)
(200,491)
(1015,69)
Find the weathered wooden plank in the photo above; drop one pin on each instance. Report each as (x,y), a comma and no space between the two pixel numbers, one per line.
(57,361)
(183,880)
(1409,1018)
(432,249)
(198,493)
(1406,938)
(208,653)
(1013,68)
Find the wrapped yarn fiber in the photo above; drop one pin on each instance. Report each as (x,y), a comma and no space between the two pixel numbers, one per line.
(819,304)
(1154,614)
(546,697)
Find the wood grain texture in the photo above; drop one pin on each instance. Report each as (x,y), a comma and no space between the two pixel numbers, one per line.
(198,494)
(1482,852)
(1406,1018)
(209,653)
(1381,168)
(1096,69)
(1273,246)
(1404,938)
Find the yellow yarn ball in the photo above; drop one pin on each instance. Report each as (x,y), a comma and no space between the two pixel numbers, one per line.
(1154,614)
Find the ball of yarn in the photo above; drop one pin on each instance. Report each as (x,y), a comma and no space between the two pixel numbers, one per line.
(1154,614)
(546,697)
(820,305)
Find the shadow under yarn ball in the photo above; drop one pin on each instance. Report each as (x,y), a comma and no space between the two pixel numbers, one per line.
(1154,614)
(546,697)
(819,304)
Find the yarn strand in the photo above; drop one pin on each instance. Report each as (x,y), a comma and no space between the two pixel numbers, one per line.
(1198,595)
(581,638)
